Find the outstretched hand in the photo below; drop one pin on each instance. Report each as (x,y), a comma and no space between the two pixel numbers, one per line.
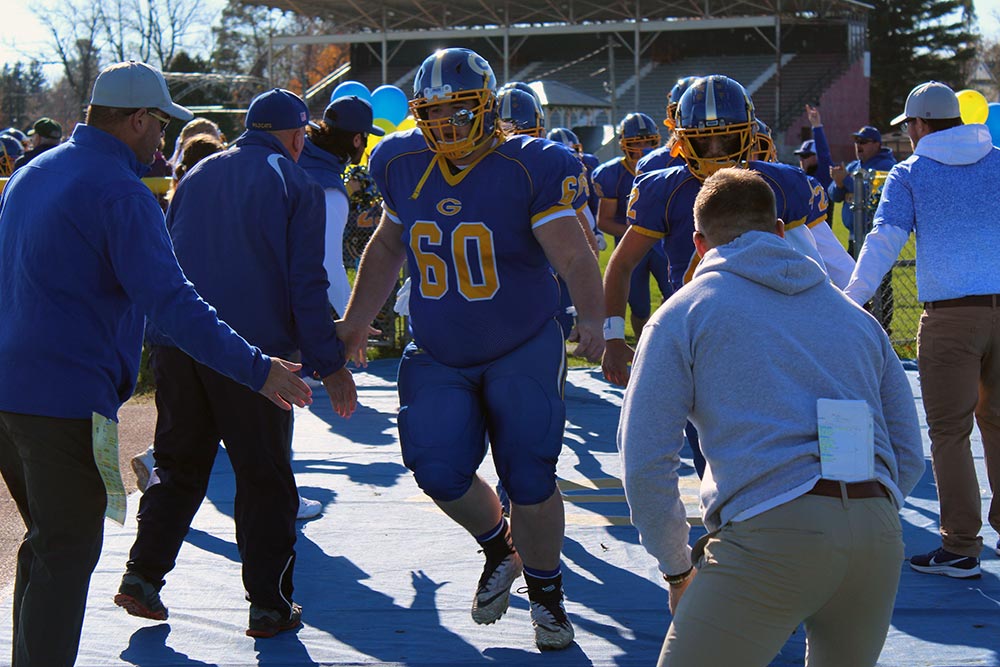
(617,356)
(284,387)
(590,337)
(342,391)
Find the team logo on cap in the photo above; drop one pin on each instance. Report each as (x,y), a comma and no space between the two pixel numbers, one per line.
(302,116)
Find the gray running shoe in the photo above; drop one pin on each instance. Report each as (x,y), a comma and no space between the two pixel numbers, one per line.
(140,598)
(265,623)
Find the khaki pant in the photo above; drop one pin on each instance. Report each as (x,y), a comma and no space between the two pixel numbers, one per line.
(958,351)
(830,563)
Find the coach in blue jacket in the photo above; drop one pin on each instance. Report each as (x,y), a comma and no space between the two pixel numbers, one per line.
(83,256)
(247,226)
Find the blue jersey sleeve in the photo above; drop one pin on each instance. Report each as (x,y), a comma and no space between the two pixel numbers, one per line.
(646,213)
(792,192)
(819,205)
(558,180)
(605,180)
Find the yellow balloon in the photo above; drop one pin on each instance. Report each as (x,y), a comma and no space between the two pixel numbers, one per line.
(372,142)
(384,124)
(406,124)
(973,106)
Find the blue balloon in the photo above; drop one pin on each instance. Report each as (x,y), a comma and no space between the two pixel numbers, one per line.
(347,88)
(390,102)
(993,122)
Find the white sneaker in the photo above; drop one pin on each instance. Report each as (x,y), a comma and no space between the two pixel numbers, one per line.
(308,509)
(553,630)
(142,466)
(493,593)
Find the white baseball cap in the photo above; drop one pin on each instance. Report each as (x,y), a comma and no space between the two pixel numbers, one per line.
(132,85)
(930,100)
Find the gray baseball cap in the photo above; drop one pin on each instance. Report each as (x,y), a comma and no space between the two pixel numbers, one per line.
(930,100)
(134,85)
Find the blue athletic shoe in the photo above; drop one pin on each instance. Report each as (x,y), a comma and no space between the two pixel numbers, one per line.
(946,563)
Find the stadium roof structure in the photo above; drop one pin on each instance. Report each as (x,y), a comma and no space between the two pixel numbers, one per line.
(406,19)
(379,22)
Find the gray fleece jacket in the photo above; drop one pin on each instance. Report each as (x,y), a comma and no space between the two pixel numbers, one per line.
(744,350)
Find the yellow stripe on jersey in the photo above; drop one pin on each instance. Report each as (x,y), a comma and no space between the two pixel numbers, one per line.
(795,223)
(646,232)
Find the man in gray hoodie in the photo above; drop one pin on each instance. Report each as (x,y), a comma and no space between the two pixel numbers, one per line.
(948,185)
(743,352)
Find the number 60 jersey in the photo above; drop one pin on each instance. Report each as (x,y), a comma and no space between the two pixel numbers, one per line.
(481,284)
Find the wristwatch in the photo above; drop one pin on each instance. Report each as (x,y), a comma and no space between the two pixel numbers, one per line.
(678,579)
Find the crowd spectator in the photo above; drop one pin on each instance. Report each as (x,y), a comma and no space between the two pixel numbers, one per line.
(247,227)
(83,256)
(44,135)
(870,154)
(785,544)
(949,180)
(814,154)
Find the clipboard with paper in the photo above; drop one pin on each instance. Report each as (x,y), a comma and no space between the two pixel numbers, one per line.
(846,440)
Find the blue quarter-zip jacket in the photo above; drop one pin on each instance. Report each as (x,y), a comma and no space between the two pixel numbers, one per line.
(248,228)
(83,255)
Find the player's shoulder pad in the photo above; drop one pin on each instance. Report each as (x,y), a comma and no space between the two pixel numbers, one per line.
(397,144)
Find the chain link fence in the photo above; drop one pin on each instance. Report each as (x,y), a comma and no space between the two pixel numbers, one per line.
(895,304)
(362,219)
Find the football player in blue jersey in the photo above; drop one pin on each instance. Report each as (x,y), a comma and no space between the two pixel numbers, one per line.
(839,265)
(716,128)
(664,156)
(481,221)
(613,182)
(566,136)
(520,113)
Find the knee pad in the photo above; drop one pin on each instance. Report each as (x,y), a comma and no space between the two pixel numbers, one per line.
(526,429)
(443,460)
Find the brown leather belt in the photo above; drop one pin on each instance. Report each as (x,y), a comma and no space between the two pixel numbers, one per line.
(981,300)
(855,490)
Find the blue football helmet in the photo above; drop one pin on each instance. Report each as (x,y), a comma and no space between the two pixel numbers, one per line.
(461,77)
(715,125)
(566,136)
(10,150)
(521,85)
(764,148)
(520,113)
(674,98)
(639,135)
(19,135)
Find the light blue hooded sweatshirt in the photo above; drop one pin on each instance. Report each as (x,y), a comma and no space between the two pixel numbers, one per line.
(945,192)
(744,350)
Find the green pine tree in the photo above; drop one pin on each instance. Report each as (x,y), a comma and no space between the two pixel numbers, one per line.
(913,41)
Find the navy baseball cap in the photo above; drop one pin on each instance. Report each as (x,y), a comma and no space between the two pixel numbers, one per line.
(277,109)
(807,148)
(351,114)
(870,133)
